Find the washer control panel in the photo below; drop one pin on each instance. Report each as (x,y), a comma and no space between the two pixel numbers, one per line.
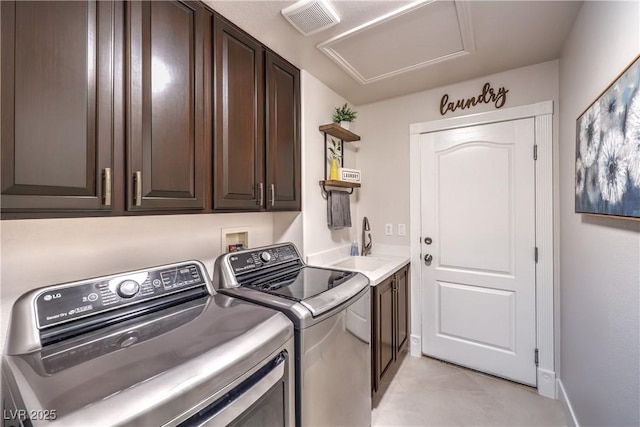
(246,261)
(63,303)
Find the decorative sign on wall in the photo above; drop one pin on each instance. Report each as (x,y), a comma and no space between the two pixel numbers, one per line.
(488,96)
(608,150)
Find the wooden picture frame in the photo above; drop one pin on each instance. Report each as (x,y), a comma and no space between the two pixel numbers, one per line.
(607,166)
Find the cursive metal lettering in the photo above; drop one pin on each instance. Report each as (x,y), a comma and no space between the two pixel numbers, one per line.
(488,96)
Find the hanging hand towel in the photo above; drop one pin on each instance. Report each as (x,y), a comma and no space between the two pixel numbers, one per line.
(338,209)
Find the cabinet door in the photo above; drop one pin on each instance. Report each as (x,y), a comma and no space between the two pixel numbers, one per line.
(283,134)
(165,130)
(385,326)
(238,171)
(57,84)
(402,304)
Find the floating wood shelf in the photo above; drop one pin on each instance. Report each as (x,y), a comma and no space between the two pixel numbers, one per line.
(338,131)
(341,184)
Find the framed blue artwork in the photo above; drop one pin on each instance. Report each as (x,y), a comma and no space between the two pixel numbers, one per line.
(608,150)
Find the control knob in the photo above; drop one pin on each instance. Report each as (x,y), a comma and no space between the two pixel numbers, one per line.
(265,256)
(128,288)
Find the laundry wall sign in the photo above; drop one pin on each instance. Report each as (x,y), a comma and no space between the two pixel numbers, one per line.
(488,95)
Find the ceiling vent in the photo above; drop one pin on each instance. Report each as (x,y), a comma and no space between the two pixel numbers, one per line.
(311,16)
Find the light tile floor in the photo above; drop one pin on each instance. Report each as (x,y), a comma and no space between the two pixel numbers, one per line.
(427,392)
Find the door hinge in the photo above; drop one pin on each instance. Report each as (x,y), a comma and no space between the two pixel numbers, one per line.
(535,359)
(536,255)
(535,152)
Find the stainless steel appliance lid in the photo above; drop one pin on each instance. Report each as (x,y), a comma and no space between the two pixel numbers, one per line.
(279,272)
(300,283)
(225,340)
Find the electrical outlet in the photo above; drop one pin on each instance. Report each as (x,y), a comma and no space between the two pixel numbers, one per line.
(402,230)
(388,229)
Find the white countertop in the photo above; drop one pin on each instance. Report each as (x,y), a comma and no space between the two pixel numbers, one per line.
(376,267)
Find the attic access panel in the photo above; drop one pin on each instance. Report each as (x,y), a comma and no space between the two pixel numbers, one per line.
(423,33)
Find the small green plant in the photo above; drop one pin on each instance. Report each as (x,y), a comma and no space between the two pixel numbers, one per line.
(344,114)
(335,149)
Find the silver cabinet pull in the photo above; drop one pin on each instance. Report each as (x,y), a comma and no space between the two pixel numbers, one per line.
(138,184)
(260,194)
(106,191)
(273,195)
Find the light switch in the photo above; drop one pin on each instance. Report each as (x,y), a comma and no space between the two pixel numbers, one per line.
(388,229)
(402,230)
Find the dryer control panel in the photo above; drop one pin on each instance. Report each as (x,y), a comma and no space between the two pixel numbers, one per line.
(251,260)
(63,303)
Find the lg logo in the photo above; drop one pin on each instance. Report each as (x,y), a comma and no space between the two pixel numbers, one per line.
(49,297)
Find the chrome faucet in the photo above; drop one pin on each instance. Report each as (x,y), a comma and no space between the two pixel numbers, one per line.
(366,248)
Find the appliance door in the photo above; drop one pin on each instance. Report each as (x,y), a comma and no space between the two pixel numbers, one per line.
(335,385)
(262,399)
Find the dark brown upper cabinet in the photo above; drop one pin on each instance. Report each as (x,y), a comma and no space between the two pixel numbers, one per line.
(165,132)
(283,158)
(256,150)
(238,154)
(57,86)
(113,108)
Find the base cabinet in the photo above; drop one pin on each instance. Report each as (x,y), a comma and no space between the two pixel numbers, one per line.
(390,326)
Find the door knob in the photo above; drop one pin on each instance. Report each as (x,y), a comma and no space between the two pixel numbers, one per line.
(428,258)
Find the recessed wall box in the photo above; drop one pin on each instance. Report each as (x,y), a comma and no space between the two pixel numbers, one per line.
(234,239)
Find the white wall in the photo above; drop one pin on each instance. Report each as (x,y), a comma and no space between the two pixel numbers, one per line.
(384,128)
(384,153)
(600,270)
(318,103)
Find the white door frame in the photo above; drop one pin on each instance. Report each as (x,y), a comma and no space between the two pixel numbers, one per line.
(543,115)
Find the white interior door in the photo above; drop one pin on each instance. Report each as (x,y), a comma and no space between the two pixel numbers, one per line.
(478,209)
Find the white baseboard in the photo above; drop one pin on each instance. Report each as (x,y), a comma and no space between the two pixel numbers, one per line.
(415,346)
(547,383)
(566,404)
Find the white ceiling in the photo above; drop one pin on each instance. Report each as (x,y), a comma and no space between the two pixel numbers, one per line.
(430,44)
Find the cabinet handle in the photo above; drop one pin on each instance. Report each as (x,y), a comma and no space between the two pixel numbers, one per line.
(260,194)
(273,195)
(138,183)
(106,191)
